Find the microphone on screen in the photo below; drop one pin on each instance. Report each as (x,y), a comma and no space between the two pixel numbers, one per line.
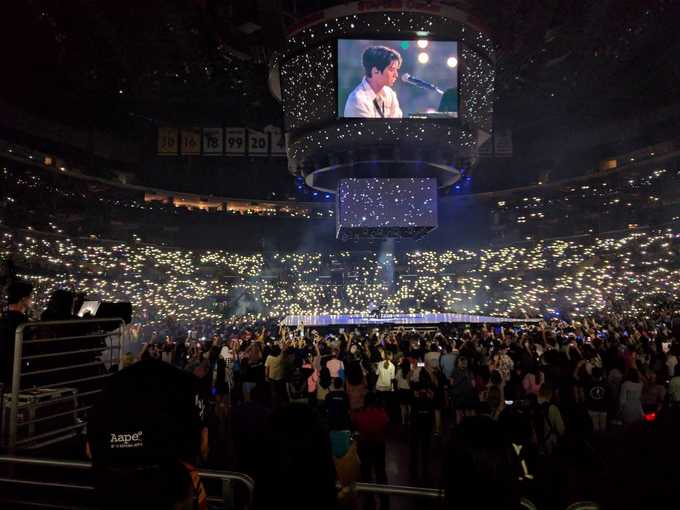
(412,80)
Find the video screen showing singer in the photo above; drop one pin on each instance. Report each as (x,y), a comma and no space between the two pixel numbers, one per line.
(374,97)
(368,72)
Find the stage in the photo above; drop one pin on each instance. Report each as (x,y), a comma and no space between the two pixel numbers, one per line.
(404,319)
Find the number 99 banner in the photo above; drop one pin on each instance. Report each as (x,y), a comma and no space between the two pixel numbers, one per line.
(235,142)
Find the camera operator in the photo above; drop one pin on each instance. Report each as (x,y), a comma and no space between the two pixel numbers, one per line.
(78,369)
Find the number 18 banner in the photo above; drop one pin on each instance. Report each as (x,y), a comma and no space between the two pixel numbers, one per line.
(212,142)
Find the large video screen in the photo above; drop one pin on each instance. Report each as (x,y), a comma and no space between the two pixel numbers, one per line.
(394,203)
(393,79)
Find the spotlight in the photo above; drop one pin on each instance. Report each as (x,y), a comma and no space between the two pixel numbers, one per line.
(422,43)
(423,58)
(452,62)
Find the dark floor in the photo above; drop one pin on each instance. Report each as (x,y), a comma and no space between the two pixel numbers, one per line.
(616,467)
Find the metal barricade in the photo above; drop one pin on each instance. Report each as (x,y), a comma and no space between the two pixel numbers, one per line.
(107,333)
(434,495)
(398,490)
(223,476)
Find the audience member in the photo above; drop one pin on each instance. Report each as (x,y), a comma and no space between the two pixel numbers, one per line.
(146,434)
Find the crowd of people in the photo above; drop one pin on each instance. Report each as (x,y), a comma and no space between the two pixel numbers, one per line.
(624,273)
(529,409)
(640,193)
(643,196)
(520,408)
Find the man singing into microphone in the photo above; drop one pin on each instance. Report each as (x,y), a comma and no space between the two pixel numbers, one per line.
(373,97)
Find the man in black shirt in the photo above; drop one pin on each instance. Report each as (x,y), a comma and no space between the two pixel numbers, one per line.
(19,301)
(146,433)
(337,403)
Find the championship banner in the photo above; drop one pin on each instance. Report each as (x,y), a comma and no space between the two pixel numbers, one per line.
(213,141)
(258,143)
(168,141)
(190,142)
(217,141)
(235,142)
(278,140)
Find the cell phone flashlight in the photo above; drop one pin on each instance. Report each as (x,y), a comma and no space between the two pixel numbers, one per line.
(420,364)
(509,402)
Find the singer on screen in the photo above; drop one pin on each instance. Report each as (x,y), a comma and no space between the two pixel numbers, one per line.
(374,97)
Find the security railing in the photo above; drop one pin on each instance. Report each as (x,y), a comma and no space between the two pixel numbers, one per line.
(225,477)
(397,490)
(58,368)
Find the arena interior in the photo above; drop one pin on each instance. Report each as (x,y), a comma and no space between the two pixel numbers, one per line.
(353,255)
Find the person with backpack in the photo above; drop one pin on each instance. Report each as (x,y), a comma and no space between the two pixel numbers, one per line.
(549,425)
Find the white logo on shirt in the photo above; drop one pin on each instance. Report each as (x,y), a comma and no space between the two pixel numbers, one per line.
(135,440)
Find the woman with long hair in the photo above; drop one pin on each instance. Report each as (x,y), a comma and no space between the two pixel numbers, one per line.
(323,386)
(404,389)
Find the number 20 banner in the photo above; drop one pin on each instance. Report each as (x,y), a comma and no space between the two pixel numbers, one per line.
(258,143)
